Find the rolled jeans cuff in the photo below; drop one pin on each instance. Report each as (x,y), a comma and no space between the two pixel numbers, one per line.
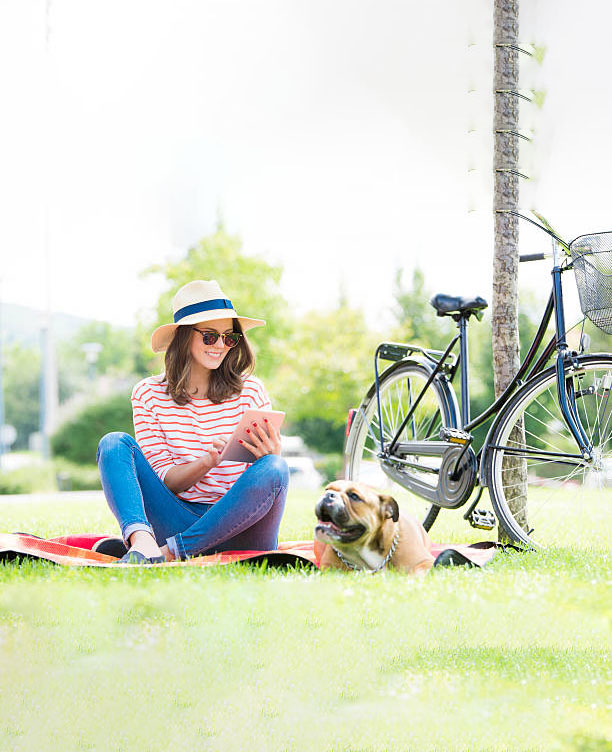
(132,528)
(176,547)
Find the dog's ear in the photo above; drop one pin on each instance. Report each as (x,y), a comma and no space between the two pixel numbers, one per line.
(389,507)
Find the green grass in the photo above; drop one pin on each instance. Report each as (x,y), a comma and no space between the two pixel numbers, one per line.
(515,656)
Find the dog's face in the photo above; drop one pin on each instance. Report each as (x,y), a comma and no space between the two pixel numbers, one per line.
(352,514)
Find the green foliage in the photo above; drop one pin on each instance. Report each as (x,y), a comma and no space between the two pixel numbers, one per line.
(417,320)
(77,440)
(326,370)
(319,431)
(75,477)
(48,477)
(21,381)
(252,284)
(600,341)
(35,478)
(539,53)
(118,356)
(330,466)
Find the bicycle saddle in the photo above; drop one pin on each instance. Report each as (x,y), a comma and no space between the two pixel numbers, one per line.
(445,304)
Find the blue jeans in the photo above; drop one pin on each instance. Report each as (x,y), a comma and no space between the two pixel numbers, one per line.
(246,518)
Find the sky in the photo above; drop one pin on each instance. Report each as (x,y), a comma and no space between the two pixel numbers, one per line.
(343,139)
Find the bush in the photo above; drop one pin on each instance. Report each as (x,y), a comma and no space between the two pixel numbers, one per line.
(47,477)
(77,439)
(330,467)
(35,478)
(71,477)
(320,434)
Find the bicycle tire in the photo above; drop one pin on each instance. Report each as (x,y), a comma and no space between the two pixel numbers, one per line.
(540,500)
(395,387)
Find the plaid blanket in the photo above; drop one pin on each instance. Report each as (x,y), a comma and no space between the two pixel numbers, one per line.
(76,550)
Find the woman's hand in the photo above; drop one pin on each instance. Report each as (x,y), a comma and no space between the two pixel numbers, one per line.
(213,456)
(263,439)
(181,477)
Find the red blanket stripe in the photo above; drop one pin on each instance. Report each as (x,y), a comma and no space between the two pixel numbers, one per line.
(75,550)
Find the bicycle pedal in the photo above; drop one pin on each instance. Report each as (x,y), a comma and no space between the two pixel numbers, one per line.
(455,436)
(483,519)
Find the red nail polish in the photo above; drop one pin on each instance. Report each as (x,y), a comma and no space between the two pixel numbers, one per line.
(255,424)
(241,441)
(265,420)
(248,430)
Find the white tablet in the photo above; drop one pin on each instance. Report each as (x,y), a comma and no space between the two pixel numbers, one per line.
(234,451)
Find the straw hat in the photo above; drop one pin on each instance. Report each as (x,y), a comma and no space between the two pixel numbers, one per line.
(196,302)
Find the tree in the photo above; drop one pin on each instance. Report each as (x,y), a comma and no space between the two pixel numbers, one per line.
(327,369)
(252,284)
(21,383)
(417,320)
(77,439)
(119,354)
(504,319)
(21,379)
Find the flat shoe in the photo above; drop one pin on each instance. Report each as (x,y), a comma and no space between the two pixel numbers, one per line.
(111,547)
(136,557)
(451,558)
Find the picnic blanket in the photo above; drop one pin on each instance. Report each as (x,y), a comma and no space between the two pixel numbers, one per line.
(76,550)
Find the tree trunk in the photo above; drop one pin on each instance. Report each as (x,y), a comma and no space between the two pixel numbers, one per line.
(504,321)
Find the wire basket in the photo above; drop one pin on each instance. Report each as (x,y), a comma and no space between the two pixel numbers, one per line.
(592,257)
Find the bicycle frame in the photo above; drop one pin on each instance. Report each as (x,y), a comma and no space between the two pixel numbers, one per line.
(566,360)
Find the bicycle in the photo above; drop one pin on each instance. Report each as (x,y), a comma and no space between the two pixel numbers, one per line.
(551,428)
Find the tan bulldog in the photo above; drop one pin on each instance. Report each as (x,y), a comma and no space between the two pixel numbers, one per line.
(359,528)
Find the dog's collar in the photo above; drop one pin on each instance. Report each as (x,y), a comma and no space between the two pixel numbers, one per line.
(383,563)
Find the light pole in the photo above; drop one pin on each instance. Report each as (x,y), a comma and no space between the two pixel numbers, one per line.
(49,400)
(92,351)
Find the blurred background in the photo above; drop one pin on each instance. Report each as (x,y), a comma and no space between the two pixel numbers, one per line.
(329,163)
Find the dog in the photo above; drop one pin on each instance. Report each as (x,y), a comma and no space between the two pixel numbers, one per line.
(360,528)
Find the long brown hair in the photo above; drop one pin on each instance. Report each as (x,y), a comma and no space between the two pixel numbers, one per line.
(224,381)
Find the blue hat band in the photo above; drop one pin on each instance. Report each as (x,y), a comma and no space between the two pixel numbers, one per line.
(208,305)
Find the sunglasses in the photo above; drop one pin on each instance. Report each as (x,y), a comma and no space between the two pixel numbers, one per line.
(209,337)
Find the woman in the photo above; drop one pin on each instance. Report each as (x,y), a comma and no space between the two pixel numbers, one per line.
(170,493)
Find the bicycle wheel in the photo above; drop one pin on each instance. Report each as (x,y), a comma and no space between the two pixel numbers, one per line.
(543,500)
(400,386)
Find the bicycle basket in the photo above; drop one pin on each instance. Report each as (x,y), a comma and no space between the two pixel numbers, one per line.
(592,256)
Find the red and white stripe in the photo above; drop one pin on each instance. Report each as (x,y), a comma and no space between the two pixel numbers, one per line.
(171,434)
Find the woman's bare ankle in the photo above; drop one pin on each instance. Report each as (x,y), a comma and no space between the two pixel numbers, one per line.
(167,553)
(143,541)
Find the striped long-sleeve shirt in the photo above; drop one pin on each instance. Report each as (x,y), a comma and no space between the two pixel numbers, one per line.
(171,434)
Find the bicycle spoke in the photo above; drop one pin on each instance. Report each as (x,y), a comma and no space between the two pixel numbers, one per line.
(539,420)
(554,417)
(552,446)
(399,391)
(604,412)
(563,478)
(543,499)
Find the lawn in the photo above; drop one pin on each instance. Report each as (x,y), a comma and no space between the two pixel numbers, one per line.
(515,656)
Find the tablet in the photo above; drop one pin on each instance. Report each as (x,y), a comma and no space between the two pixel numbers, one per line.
(234,451)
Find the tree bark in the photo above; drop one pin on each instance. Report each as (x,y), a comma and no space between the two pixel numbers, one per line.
(504,320)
